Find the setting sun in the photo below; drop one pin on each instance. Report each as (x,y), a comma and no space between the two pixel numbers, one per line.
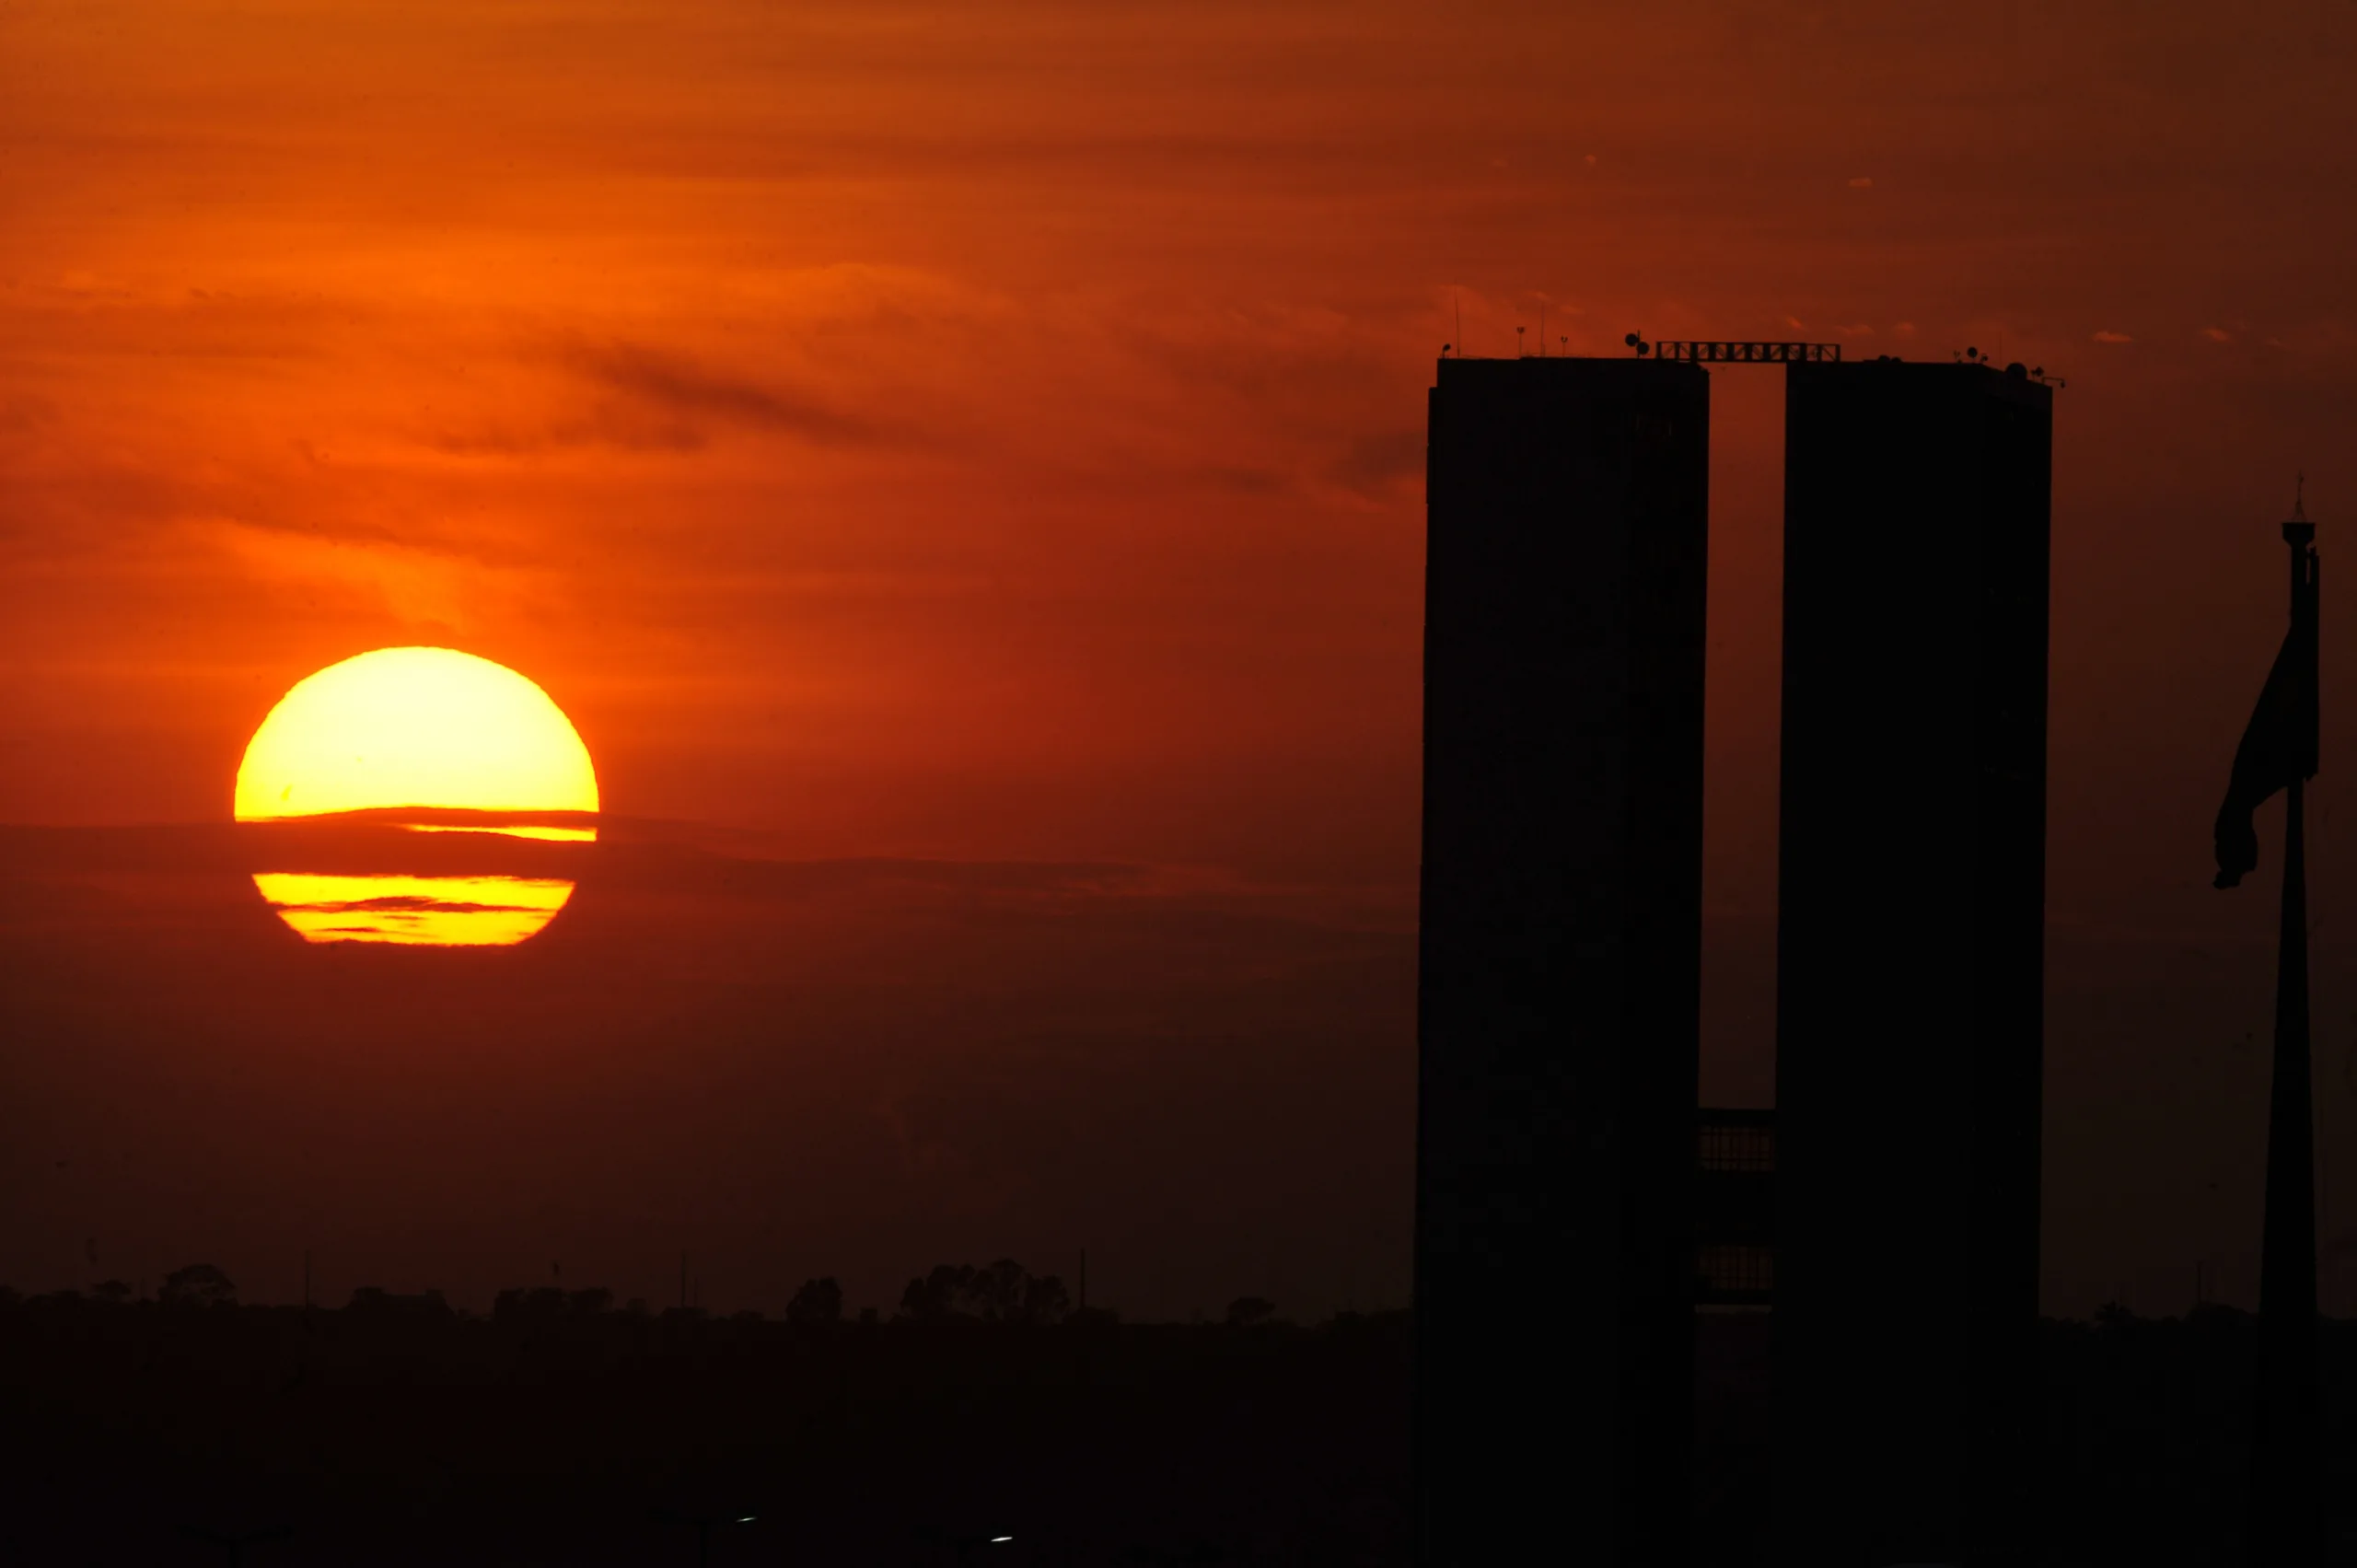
(414,727)
(434,731)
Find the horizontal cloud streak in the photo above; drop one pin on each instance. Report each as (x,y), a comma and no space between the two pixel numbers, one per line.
(689,390)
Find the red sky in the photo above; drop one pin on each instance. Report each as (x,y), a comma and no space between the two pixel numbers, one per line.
(994,434)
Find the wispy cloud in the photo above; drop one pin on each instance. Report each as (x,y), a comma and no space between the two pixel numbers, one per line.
(622,429)
(1374,463)
(22,415)
(648,399)
(693,392)
(415,584)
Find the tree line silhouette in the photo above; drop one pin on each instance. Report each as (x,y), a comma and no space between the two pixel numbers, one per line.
(1002,1293)
(558,1422)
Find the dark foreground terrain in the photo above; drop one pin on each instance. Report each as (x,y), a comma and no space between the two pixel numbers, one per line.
(406,1433)
(417,1436)
(2147,1440)
(2149,1435)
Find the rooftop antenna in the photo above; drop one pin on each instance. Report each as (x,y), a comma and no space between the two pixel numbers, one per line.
(2299,498)
(1458,294)
(1542,329)
(1517,341)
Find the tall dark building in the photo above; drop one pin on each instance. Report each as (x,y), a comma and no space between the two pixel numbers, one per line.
(1911,963)
(1559,960)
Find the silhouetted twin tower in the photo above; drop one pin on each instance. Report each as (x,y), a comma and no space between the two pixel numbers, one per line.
(1560,958)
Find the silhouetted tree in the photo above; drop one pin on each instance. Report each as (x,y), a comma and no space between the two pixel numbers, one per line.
(1246,1310)
(111,1293)
(591,1302)
(368,1299)
(939,1295)
(997,1293)
(818,1301)
(994,1294)
(1045,1300)
(198,1284)
(541,1304)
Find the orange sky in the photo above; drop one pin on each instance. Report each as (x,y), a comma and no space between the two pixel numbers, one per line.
(994,431)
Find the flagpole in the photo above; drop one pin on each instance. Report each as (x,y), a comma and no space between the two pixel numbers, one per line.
(2287,1525)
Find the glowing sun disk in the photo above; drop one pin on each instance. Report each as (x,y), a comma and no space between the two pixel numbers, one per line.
(427,728)
(414,727)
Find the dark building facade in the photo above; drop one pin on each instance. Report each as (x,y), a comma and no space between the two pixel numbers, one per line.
(1559,959)
(1911,963)
(1734,1208)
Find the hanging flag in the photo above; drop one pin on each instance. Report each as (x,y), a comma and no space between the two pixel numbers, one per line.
(2279,744)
